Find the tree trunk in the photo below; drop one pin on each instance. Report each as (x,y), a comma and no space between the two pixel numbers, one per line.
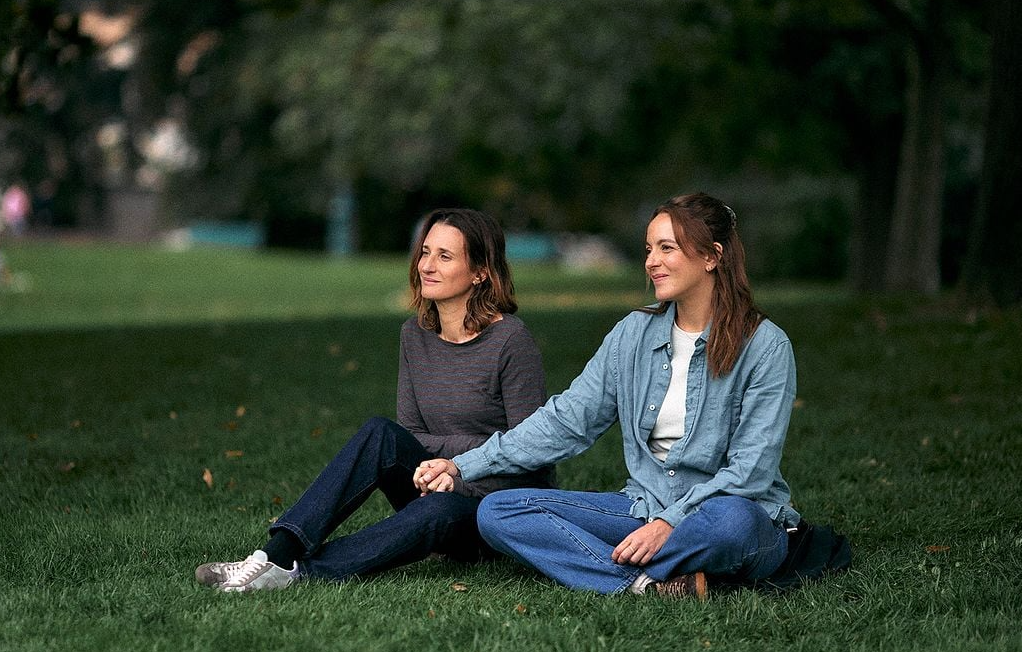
(993,266)
(871,222)
(913,252)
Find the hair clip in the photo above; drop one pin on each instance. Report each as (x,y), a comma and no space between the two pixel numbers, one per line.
(734,218)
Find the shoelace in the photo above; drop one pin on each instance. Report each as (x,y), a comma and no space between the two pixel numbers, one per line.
(245,571)
(229,568)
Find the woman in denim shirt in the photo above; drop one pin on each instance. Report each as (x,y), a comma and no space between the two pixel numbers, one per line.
(703,386)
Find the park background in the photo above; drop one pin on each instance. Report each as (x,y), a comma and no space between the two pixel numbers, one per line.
(204,300)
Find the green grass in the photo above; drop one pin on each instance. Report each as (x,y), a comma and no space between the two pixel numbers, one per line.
(126,372)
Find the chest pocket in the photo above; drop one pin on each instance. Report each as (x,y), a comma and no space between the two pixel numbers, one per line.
(711,434)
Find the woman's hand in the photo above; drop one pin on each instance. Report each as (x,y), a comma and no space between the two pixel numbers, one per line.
(641,545)
(435,475)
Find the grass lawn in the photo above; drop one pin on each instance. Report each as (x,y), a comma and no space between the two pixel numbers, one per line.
(126,374)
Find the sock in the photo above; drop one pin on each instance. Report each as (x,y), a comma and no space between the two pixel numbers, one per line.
(640,584)
(283,549)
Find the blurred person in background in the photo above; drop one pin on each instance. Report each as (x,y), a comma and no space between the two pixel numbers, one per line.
(703,386)
(15,205)
(467,367)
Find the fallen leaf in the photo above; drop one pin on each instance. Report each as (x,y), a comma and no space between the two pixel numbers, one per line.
(67,467)
(240,412)
(207,477)
(351,365)
(335,350)
(277,500)
(799,403)
(521,608)
(232,483)
(173,414)
(317,433)
(430,614)
(32,436)
(936,549)
(459,587)
(231,426)
(76,423)
(234,454)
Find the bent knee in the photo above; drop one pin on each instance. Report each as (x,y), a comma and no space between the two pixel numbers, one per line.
(496,508)
(735,519)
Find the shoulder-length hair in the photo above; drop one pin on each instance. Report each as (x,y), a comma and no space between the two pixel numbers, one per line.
(484,244)
(700,222)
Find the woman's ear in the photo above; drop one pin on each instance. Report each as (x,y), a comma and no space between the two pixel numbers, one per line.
(713,260)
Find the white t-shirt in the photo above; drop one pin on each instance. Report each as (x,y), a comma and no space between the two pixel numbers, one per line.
(670,424)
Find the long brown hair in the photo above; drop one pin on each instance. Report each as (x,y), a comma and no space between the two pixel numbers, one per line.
(484,244)
(699,222)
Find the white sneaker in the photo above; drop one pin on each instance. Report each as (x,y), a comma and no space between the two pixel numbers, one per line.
(216,573)
(256,572)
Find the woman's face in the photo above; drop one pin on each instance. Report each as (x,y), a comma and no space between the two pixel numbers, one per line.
(675,274)
(445,274)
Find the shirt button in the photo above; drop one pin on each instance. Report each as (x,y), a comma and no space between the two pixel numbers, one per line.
(666,366)
(649,519)
(652,406)
(671,473)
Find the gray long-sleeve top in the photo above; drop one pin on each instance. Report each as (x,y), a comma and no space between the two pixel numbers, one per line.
(452,397)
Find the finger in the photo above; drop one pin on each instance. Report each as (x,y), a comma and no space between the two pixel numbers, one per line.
(620,554)
(434,486)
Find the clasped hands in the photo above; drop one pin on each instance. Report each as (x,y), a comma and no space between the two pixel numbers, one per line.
(435,476)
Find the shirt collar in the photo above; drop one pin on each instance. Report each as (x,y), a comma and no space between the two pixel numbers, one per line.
(661,328)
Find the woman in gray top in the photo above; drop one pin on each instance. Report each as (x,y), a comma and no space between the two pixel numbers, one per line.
(468,368)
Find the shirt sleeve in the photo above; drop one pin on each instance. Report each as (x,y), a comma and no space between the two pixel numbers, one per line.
(522,381)
(408,414)
(755,447)
(565,426)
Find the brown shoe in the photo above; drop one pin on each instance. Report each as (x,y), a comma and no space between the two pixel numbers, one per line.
(683,586)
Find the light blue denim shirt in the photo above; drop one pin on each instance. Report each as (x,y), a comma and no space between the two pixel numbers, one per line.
(735,425)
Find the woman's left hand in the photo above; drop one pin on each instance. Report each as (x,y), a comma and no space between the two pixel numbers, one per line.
(641,545)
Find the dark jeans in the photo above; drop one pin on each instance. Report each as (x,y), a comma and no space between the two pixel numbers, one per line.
(382,455)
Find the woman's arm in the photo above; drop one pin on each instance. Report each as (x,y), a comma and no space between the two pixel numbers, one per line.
(408,414)
(566,425)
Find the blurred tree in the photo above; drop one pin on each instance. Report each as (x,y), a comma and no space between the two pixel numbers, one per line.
(527,105)
(53,96)
(993,269)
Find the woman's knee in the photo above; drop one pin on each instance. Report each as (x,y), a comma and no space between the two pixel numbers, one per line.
(733,519)
(498,508)
(376,427)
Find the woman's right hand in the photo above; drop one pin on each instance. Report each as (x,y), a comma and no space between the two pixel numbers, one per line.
(436,475)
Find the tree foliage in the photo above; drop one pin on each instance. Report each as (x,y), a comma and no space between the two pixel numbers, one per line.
(840,129)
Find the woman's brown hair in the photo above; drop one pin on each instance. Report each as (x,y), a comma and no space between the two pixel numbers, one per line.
(484,244)
(700,222)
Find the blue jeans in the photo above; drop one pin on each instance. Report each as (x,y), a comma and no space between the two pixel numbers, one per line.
(569,536)
(382,455)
